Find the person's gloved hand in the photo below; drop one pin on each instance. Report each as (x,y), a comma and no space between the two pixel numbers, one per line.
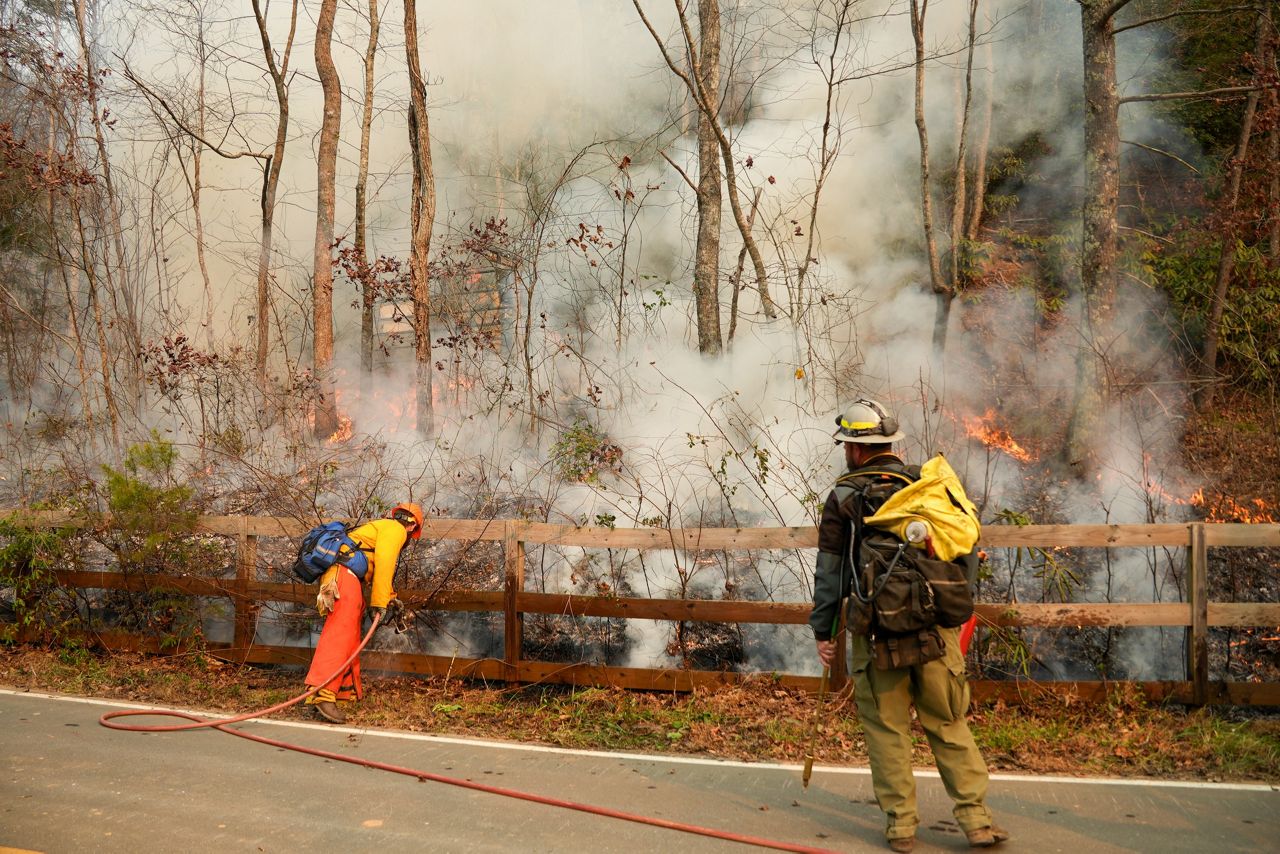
(397,616)
(378,612)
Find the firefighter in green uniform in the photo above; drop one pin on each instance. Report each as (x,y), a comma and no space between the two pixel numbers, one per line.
(885,693)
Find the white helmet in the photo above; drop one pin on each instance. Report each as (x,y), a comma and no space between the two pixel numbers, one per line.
(867,422)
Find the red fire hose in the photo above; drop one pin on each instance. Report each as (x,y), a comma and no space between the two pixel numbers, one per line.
(108,720)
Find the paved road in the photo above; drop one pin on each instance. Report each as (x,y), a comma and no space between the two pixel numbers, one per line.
(70,785)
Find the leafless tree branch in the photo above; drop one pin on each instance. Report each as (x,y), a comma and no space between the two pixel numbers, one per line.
(1179,13)
(1110,11)
(1155,150)
(152,95)
(1208,93)
(683,174)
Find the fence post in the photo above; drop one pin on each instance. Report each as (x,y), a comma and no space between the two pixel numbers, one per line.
(513,558)
(246,611)
(1198,637)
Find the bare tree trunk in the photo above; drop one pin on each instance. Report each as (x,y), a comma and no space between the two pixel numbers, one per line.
(1102,194)
(959,253)
(978,204)
(1101,131)
(1273,150)
(1273,155)
(625,199)
(73,312)
(121,295)
(197,153)
(271,182)
(940,287)
(90,268)
(695,88)
(827,152)
(706,267)
(744,228)
(326,168)
(527,344)
(1230,231)
(196,187)
(362,182)
(735,283)
(62,261)
(422,220)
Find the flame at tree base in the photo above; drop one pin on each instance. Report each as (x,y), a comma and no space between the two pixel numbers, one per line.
(344,432)
(984,428)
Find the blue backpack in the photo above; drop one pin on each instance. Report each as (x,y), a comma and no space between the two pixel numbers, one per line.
(323,546)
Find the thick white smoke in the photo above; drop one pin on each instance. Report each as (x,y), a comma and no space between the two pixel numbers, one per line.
(517,89)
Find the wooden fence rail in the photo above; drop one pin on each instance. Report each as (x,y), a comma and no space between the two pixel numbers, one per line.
(247,594)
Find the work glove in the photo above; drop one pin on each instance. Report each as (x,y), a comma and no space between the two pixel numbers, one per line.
(378,612)
(398,616)
(327,598)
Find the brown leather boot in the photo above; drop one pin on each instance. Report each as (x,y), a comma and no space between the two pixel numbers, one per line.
(985,837)
(330,712)
(903,844)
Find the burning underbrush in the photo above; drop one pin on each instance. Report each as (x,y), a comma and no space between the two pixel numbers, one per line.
(1231,474)
(573,638)
(1018,469)
(1007,449)
(1252,653)
(1236,450)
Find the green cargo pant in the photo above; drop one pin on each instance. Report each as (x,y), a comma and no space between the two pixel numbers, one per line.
(940,694)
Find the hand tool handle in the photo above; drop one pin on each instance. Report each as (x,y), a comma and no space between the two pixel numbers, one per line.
(817,716)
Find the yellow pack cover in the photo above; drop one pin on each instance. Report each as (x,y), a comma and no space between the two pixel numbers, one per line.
(938,500)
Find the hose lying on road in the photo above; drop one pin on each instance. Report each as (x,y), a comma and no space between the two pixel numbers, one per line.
(109,720)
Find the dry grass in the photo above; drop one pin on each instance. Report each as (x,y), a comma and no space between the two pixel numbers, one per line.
(758,720)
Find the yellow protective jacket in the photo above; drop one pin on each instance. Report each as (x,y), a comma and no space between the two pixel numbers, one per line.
(938,500)
(381,540)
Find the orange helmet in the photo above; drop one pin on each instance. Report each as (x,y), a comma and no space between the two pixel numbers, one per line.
(406,509)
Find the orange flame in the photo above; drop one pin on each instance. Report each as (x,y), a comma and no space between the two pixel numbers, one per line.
(983,428)
(1223,508)
(344,432)
(1255,511)
(345,429)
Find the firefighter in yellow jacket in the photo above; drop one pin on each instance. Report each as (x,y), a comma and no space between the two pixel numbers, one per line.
(885,693)
(341,602)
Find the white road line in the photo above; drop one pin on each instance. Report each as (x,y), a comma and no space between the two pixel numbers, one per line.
(653,757)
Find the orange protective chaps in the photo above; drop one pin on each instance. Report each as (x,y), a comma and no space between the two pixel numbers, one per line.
(338,639)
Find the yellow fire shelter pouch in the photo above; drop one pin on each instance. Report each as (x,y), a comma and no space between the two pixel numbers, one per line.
(938,500)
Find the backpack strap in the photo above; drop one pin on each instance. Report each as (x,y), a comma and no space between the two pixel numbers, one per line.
(861,482)
(357,545)
(907,478)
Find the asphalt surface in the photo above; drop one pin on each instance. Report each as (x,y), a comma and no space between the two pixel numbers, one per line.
(70,785)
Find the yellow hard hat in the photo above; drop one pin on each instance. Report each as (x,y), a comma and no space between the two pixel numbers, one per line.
(867,422)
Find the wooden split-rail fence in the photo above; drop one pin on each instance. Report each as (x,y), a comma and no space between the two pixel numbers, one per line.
(247,593)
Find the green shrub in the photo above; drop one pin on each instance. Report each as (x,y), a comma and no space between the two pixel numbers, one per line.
(1249,338)
(153,520)
(151,512)
(583,452)
(28,585)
